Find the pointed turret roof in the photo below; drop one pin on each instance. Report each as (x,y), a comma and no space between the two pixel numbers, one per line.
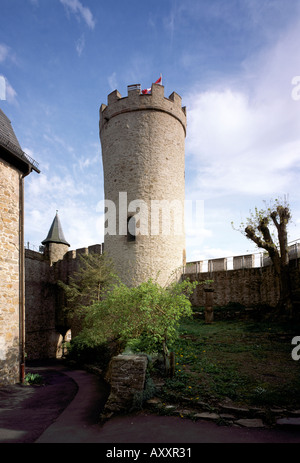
(55,234)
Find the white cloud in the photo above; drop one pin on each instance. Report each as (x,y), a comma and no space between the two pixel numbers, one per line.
(4,52)
(7,91)
(80,45)
(60,142)
(243,147)
(2,88)
(11,94)
(245,139)
(85,162)
(77,8)
(112,81)
(72,188)
(46,193)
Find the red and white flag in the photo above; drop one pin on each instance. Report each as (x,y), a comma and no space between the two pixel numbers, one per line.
(146,91)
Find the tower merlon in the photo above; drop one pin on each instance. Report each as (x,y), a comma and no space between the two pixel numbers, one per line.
(177,101)
(113,97)
(137,101)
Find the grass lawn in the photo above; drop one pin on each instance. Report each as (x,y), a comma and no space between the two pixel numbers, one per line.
(248,362)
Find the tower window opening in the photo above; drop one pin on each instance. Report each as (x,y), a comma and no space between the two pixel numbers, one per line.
(131,229)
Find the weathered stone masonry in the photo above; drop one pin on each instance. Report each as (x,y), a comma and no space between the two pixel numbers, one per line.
(247,286)
(14,166)
(42,338)
(142,139)
(126,375)
(46,325)
(9,273)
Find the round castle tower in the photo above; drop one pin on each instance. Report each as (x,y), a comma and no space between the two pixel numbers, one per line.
(142,138)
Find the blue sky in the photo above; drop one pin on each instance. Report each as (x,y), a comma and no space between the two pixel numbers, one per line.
(232,62)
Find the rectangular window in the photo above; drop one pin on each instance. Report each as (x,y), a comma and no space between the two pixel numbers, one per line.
(131,229)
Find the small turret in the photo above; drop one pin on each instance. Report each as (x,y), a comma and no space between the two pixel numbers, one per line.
(55,244)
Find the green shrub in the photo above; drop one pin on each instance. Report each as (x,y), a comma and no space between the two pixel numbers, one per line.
(82,350)
(33,379)
(148,313)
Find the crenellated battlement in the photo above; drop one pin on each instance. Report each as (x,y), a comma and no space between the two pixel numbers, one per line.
(137,101)
(75,253)
(247,261)
(72,255)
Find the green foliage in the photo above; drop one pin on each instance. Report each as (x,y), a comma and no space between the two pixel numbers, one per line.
(82,350)
(140,397)
(146,317)
(148,313)
(87,285)
(33,379)
(246,361)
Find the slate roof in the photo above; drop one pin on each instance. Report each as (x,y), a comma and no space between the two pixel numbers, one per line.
(10,148)
(55,234)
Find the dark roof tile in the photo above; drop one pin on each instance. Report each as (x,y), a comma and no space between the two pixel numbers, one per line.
(9,142)
(55,234)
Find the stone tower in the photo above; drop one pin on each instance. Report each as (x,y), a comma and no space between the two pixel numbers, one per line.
(55,244)
(142,138)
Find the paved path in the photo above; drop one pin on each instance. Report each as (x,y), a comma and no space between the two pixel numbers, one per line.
(76,425)
(37,417)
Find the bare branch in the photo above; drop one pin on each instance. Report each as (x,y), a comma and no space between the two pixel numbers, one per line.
(258,230)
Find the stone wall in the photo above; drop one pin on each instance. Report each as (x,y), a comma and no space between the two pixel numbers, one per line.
(247,286)
(9,273)
(46,325)
(126,376)
(42,338)
(55,252)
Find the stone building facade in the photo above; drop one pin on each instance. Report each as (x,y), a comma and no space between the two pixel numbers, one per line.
(142,138)
(15,165)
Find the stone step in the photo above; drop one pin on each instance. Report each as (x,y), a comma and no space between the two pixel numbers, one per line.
(233,415)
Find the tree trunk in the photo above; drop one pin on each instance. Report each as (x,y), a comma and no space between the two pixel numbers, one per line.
(166,357)
(285,300)
(280,259)
(285,303)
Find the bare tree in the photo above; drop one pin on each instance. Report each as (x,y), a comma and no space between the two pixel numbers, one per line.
(258,228)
